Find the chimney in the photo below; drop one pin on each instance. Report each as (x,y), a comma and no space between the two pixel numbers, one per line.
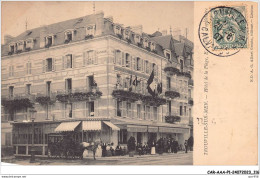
(7,39)
(137,29)
(99,21)
(164,32)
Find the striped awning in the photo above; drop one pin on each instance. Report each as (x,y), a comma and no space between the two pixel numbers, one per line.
(112,126)
(67,126)
(91,125)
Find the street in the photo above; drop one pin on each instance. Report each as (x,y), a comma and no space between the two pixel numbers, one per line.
(181,158)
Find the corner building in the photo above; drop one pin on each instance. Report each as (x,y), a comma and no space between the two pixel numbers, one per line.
(87,77)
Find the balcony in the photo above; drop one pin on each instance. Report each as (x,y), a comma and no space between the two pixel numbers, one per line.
(190,82)
(78,94)
(18,102)
(185,73)
(191,121)
(191,101)
(172,93)
(171,69)
(48,99)
(172,119)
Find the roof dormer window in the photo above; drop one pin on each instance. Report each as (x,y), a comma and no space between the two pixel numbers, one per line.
(29,44)
(11,49)
(145,42)
(90,30)
(167,53)
(127,34)
(117,30)
(152,46)
(20,46)
(137,38)
(48,41)
(68,36)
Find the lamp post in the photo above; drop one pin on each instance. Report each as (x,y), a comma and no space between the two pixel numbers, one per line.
(33,116)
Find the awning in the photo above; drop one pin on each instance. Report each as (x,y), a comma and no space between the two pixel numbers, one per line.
(136,128)
(173,130)
(91,125)
(67,126)
(153,129)
(112,126)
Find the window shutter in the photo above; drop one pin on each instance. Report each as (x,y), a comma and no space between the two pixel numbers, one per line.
(95,57)
(134,63)
(123,59)
(134,110)
(63,62)
(114,59)
(84,58)
(27,68)
(124,108)
(43,65)
(87,109)
(73,61)
(87,84)
(131,62)
(53,64)
(30,68)
(119,58)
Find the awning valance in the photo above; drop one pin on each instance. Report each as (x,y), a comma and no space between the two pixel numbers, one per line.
(153,129)
(91,125)
(67,126)
(173,130)
(112,126)
(136,128)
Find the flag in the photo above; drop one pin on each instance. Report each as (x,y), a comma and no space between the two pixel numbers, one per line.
(135,82)
(150,84)
(130,84)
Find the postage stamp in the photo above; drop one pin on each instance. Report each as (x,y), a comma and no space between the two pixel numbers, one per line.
(223,30)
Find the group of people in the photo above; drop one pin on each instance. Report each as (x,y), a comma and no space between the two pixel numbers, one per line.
(110,150)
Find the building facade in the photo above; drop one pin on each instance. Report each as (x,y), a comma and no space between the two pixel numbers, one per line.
(87,77)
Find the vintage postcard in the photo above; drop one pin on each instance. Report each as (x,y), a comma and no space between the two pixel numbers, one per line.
(129,83)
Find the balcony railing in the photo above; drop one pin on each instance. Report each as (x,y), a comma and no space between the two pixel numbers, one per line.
(191,101)
(47,99)
(190,82)
(171,68)
(78,94)
(172,119)
(172,93)
(18,102)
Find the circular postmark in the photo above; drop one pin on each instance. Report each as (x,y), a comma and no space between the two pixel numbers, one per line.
(223,31)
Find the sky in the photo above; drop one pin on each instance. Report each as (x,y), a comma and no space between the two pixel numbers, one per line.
(151,15)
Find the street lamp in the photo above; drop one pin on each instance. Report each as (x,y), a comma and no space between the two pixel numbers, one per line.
(33,116)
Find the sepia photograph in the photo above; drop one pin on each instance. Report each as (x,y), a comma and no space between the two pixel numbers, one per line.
(97,83)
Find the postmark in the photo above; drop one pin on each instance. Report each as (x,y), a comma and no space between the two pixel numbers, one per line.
(223,30)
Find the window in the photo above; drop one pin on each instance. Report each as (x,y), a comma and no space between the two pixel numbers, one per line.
(11,91)
(180,110)
(189,112)
(11,71)
(68,36)
(68,84)
(90,57)
(90,30)
(48,41)
(146,66)
(28,89)
(137,38)
(138,63)
(118,81)
(119,108)
(168,83)
(152,45)
(155,113)
(69,61)
(127,34)
(182,63)
(20,45)
(48,88)
(168,55)
(148,112)
(129,110)
(68,107)
(189,93)
(91,82)
(29,44)
(91,108)
(11,49)
(169,108)
(49,64)
(29,68)
(185,111)
(127,60)
(144,112)
(118,57)
(145,42)
(139,111)
(118,29)
(123,136)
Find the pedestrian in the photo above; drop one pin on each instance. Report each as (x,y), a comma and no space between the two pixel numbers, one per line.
(186,146)
(153,148)
(171,143)
(190,143)
(175,146)
(104,149)
(139,149)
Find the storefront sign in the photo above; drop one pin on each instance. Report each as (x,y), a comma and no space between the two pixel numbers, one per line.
(172,130)
(136,128)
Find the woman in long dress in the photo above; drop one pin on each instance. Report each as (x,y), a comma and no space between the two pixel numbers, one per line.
(153,149)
